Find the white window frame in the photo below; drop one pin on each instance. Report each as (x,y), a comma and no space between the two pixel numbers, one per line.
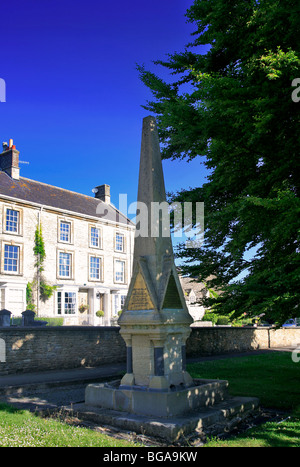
(71,266)
(116,301)
(119,235)
(122,301)
(121,280)
(96,227)
(65,220)
(19,212)
(65,233)
(100,278)
(19,258)
(63,297)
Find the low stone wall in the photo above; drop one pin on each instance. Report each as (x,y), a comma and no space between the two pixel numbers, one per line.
(221,340)
(50,348)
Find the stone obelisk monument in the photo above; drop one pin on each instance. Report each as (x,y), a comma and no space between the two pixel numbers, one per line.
(155,322)
(157,396)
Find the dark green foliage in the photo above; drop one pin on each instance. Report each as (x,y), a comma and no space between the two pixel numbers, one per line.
(52,321)
(29,297)
(232,108)
(45,290)
(39,248)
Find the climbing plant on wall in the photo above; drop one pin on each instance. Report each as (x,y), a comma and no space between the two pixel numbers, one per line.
(44,290)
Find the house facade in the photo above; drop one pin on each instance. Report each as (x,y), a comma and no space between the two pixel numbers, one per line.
(193,292)
(88,245)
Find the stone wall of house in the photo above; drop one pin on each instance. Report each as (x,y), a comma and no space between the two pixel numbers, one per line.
(13,285)
(49,348)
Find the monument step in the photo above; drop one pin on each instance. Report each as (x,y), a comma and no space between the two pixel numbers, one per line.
(223,416)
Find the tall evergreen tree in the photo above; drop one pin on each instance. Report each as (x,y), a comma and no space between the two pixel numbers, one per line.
(234,108)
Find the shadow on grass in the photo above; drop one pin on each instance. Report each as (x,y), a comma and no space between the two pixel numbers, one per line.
(272,434)
(9,409)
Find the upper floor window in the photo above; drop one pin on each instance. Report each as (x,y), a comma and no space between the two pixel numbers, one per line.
(119,245)
(12,221)
(119,271)
(65,232)
(95,237)
(95,268)
(65,264)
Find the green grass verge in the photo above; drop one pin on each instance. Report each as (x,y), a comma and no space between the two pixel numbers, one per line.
(271,434)
(20,428)
(275,379)
(272,377)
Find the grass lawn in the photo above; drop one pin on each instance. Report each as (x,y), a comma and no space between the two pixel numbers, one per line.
(275,379)
(20,428)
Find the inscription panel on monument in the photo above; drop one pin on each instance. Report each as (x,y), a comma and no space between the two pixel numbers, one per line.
(140,298)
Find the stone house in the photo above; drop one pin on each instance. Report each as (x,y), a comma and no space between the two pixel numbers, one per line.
(88,246)
(193,292)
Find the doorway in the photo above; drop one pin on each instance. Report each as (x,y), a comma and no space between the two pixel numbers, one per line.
(83,306)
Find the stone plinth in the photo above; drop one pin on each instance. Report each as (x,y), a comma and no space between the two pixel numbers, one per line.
(145,401)
(203,409)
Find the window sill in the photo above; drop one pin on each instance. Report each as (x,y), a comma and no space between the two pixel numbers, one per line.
(10,273)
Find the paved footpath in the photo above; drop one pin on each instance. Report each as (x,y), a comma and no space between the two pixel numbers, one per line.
(54,389)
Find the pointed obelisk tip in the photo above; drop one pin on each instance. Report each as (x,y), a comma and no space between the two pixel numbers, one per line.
(149,118)
(149,122)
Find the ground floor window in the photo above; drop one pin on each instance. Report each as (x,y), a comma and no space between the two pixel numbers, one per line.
(66,303)
(118,303)
(11,258)
(123,298)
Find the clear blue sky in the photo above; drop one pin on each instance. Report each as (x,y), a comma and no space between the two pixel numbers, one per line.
(73,94)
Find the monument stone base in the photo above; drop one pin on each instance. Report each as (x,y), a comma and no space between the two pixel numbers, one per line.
(168,415)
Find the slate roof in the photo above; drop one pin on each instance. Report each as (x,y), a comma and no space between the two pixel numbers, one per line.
(54,197)
(188,284)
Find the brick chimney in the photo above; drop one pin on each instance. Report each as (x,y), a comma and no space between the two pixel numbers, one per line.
(102,192)
(9,160)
